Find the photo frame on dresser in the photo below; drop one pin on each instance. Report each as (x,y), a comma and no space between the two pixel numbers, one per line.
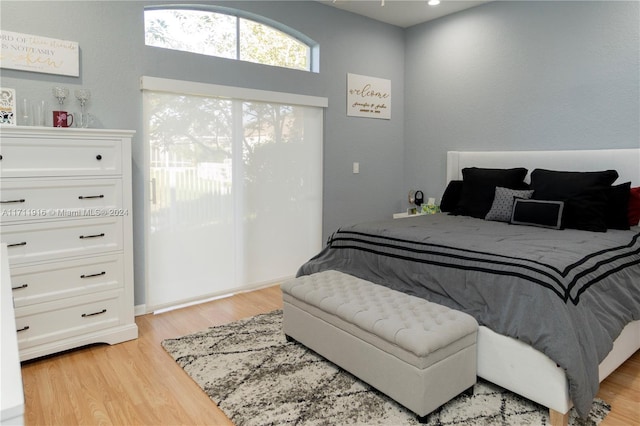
(8,106)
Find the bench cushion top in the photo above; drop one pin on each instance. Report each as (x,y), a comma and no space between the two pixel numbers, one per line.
(412,323)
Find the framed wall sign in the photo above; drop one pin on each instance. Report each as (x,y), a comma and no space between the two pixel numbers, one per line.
(368,97)
(26,52)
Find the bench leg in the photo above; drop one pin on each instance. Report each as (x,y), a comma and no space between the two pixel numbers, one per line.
(468,392)
(425,419)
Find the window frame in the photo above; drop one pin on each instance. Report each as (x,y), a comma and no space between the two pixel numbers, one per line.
(313,46)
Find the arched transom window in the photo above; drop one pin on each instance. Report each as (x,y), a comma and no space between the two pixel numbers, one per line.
(228,33)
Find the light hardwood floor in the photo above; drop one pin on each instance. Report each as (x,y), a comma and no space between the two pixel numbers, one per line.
(138,383)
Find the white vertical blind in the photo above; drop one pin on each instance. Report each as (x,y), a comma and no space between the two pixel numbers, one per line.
(235,190)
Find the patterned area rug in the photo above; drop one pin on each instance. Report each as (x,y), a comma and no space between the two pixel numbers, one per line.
(258,378)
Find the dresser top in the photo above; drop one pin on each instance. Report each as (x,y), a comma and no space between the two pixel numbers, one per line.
(64,132)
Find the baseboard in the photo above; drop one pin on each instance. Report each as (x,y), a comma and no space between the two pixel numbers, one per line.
(139,310)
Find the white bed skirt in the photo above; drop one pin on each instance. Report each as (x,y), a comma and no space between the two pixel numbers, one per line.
(518,367)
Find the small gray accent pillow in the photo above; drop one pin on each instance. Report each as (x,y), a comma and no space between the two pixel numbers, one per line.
(502,206)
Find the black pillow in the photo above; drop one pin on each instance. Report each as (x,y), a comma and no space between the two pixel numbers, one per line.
(479,187)
(451,196)
(617,211)
(560,185)
(587,210)
(545,214)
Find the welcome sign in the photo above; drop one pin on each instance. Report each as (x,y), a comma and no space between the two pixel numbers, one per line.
(27,52)
(368,97)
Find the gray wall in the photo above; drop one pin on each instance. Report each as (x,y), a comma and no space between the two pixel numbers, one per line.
(520,76)
(113,57)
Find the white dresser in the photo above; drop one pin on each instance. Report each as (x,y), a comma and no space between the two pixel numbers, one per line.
(66,219)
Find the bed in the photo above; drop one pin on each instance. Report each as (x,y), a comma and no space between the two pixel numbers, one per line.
(559,309)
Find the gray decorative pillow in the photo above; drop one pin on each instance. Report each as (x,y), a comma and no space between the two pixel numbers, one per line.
(502,206)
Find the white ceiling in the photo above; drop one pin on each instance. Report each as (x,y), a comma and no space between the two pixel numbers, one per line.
(402,13)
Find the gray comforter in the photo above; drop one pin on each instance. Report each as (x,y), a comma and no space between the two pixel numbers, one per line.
(567,293)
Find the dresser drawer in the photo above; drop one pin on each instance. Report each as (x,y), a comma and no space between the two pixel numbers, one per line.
(30,157)
(53,240)
(53,281)
(53,321)
(29,199)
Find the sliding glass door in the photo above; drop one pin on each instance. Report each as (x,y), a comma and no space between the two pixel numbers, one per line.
(235,190)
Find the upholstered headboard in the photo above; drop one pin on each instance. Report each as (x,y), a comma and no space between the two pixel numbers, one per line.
(625,161)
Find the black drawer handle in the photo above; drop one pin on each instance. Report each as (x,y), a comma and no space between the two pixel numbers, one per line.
(83,237)
(20,287)
(87,197)
(22,200)
(93,275)
(98,157)
(24,243)
(95,313)
(25,328)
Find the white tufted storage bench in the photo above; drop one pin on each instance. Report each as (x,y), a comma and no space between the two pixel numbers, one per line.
(419,353)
